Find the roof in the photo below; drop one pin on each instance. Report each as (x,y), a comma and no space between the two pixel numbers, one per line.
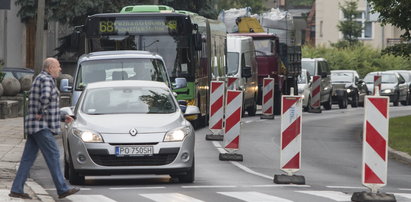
(126,83)
(101,55)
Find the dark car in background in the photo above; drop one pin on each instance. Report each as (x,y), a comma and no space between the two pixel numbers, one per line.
(348,88)
(392,85)
(17,72)
(406,74)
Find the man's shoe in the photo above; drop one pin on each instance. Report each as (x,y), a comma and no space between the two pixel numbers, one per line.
(69,192)
(19,195)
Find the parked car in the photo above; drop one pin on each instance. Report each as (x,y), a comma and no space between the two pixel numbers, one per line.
(17,72)
(392,85)
(319,67)
(304,88)
(128,127)
(348,88)
(406,74)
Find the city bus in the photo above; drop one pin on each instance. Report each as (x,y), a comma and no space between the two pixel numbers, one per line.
(193,47)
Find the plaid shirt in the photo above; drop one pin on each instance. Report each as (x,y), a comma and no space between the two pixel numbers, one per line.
(43,99)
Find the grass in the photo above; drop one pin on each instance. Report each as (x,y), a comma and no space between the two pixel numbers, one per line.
(400,134)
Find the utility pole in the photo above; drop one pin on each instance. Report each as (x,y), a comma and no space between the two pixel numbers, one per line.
(38,50)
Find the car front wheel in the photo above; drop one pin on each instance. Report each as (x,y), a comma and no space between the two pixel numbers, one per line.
(188,177)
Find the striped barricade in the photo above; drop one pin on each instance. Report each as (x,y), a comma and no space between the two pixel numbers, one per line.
(216,110)
(315,104)
(234,103)
(268,99)
(377,83)
(375,149)
(232,83)
(290,143)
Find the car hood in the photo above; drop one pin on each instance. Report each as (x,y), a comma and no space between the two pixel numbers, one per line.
(122,123)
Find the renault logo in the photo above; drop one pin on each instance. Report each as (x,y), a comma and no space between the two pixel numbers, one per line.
(133,132)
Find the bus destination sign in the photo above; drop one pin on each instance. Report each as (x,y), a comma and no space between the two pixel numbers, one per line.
(118,26)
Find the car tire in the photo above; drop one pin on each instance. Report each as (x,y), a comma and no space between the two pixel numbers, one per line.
(405,102)
(396,101)
(66,169)
(328,104)
(343,102)
(355,100)
(188,177)
(251,110)
(74,177)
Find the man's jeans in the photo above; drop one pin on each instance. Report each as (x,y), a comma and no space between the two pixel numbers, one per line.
(43,140)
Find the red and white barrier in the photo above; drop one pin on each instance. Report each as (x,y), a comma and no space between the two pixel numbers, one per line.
(268,97)
(377,83)
(233,119)
(216,106)
(232,83)
(291,123)
(375,143)
(315,93)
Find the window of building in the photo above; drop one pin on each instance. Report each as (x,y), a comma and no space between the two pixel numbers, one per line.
(367,25)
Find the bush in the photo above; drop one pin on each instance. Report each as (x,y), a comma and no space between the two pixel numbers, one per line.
(361,58)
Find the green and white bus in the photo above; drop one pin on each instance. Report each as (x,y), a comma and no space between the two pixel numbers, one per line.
(193,47)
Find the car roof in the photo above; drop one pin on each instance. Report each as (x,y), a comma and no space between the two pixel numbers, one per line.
(101,55)
(312,59)
(343,71)
(18,69)
(126,83)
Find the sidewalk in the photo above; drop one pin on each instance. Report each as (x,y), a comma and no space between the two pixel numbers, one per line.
(11,148)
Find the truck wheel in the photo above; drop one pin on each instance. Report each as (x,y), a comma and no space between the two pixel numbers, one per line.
(355,100)
(342,102)
(251,110)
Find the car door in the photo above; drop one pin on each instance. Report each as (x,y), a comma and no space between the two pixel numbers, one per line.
(324,72)
(402,88)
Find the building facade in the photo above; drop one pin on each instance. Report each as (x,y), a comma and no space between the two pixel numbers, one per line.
(328,15)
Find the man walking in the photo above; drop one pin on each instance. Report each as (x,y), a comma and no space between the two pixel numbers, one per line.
(41,123)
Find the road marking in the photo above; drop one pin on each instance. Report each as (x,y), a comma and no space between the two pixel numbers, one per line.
(404,189)
(81,189)
(345,187)
(276,185)
(125,188)
(248,170)
(254,196)
(404,195)
(211,186)
(334,195)
(171,197)
(90,198)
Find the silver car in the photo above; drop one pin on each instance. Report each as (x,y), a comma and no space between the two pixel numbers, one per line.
(128,127)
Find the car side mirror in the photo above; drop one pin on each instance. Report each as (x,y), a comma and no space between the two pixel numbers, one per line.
(402,81)
(198,42)
(323,74)
(67,111)
(360,81)
(191,110)
(246,72)
(64,85)
(180,83)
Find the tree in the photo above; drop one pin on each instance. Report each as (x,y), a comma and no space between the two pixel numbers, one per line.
(397,13)
(350,28)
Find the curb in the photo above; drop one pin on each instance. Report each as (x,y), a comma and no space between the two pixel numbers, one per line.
(399,155)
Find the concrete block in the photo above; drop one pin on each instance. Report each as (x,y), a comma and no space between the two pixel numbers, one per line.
(372,197)
(213,137)
(287,179)
(230,157)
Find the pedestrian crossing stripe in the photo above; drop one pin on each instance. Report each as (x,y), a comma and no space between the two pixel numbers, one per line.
(254,196)
(89,198)
(170,197)
(334,195)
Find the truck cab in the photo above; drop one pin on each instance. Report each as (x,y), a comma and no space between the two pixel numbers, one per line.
(117,65)
(241,64)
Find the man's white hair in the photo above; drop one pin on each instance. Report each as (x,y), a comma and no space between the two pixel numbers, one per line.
(48,62)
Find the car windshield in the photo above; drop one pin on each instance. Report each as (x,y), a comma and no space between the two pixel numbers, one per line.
(342,77)
(232,63)
(126,100)
(120,69)
(385,78)
(309,66)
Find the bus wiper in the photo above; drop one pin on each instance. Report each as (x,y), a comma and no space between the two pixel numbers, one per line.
(144,48)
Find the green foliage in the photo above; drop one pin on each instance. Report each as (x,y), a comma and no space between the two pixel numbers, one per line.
(362,58)
(395,12)
(255,5)
(202,7)
(403,50)
(400,138)
(299,3)
(350,29)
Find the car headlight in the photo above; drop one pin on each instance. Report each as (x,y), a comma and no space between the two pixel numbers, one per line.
(87,135)
(177,135)
(388,91)
(348,90)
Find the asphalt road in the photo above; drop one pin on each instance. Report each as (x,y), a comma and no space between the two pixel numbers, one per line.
(331,165)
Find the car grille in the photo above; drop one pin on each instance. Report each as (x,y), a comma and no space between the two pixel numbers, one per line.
(112,160)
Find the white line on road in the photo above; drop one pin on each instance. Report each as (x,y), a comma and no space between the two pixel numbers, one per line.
(345,187)
(276,185)
(254,196)
(334,195)
(170,197)
(404,195)
(81,189)
(211,186)
(126,188)
(248,170)
(404,189)
(90,198)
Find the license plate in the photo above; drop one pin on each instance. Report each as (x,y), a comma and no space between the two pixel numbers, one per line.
(134,151)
